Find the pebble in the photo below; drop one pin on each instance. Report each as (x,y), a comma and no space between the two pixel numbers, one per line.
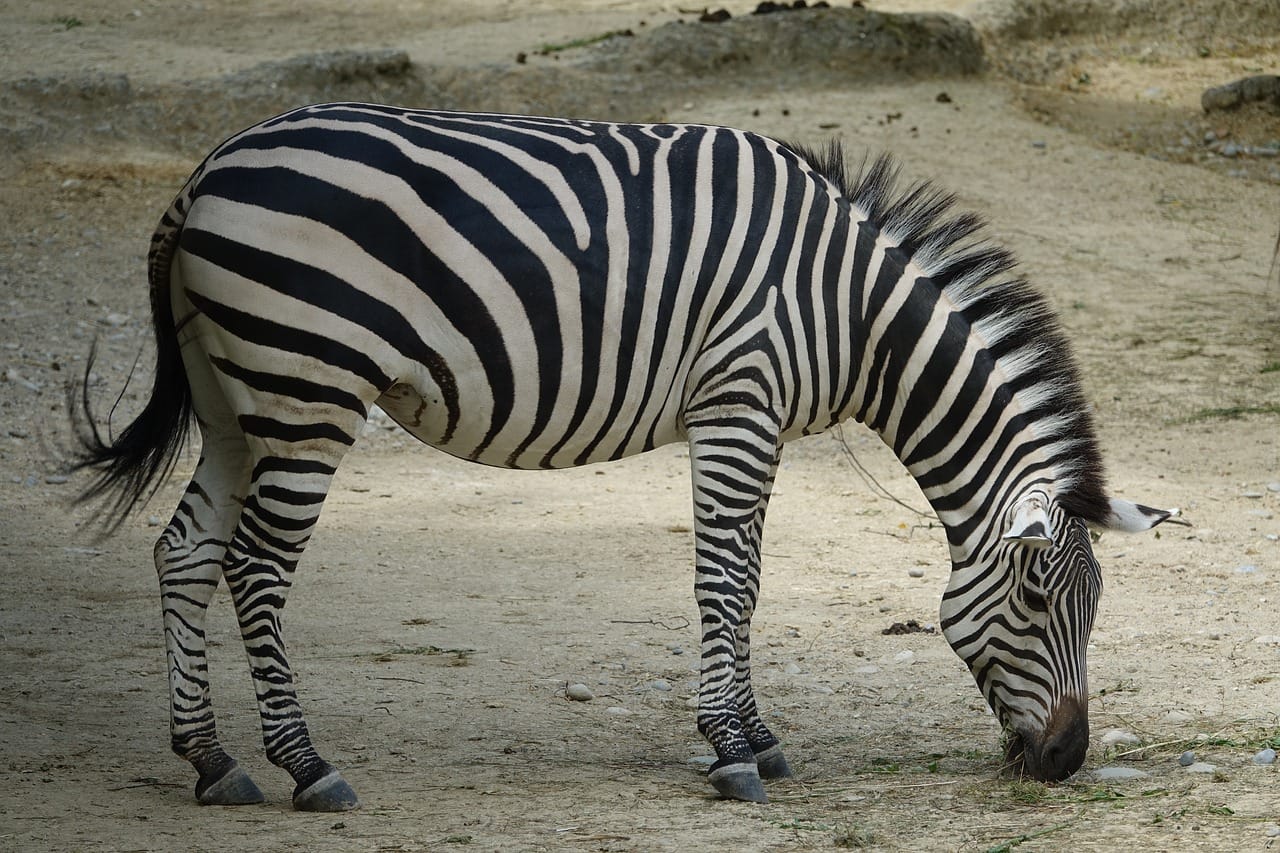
(1265,756)
(153,521)
(1201,767)
(1268,640)
(660,684)
(1119,737)
(675,649)
(706,760)
(56,479)
(1251,494)
(915,573)
(1187,758)
(1273,487)
(792,668)
(1177,716)
(1117,774)
(1273,831)
(617,710)
(1246,569)
(579,693)
(904,657)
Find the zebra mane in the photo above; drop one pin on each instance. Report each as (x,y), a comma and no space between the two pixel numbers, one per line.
(1020,328)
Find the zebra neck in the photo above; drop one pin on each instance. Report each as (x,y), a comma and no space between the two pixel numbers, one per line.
(966,424)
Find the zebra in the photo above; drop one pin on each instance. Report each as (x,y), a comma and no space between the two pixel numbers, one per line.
(538,293)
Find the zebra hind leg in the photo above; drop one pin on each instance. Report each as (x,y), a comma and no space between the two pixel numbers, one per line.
(188,557)
(279,514)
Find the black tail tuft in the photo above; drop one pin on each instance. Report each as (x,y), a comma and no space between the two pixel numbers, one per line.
(132,467)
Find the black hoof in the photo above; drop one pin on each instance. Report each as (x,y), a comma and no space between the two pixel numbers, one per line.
(772,764)
(232,788)
(330,793)
(738,782)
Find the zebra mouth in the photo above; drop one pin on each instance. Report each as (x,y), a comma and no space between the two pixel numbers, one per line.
(1055,753)
(1015,754)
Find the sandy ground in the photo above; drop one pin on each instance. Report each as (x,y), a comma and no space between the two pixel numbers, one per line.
(443,607)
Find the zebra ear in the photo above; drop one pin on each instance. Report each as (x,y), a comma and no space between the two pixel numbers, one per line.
(1135,518)
(1030,525)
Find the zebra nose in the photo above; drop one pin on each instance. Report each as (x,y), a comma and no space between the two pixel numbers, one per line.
(1066,739)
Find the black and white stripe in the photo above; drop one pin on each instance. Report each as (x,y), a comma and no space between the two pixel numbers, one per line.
(542,293)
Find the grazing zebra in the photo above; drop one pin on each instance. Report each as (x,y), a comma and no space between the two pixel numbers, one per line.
(543,293)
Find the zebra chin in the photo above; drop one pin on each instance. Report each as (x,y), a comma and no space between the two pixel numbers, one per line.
(1056,752)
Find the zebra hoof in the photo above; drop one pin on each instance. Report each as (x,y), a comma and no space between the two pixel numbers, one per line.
(330,793)
(738,782)
(233,788)
(772,764)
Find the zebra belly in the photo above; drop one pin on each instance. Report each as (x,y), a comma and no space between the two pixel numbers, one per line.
(419,408)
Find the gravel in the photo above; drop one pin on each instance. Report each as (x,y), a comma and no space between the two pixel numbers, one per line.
(579,693)
(1116,774)
(1119,737)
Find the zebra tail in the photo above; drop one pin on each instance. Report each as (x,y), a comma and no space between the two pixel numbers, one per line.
(132,466)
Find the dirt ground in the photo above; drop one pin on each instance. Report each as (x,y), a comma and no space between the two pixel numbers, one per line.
(443,607)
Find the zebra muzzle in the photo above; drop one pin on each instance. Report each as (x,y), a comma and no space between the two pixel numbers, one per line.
(1058,751)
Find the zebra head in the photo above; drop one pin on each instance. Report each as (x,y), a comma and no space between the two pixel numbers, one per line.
(1019,612)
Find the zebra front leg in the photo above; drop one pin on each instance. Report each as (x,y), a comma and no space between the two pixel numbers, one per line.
(770,761)
(731,467)
(279,514)
(188,559)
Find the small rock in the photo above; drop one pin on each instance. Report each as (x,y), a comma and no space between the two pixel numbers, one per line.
(617,710)
(792,668)
(1273,831)
(915,573)
(704,760)
(115,320)
(1118,737)
(1178,716)
(56,479)
(1265,756)
(1201,767)
(1267,640)
(1246,569)
(676,649)
(905,657)
(870,669)
(1187,758)
(661,685)
(1273,487)
(153,521)
(1116,774)
(1251,494)
(579,693)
